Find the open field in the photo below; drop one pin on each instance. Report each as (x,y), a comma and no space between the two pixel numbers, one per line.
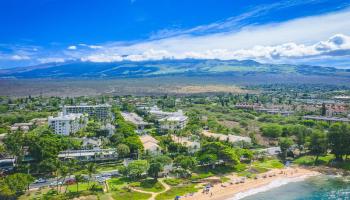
(176,85)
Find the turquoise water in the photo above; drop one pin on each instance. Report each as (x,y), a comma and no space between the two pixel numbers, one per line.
(314,188)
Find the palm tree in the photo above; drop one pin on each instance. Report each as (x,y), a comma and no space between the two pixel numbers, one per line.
(91,168)
(63,171)
(78,178)
(72,167)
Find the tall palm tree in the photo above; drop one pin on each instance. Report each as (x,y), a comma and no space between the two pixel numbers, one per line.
(91,168)
(78,179)
(72,167)
(63,171)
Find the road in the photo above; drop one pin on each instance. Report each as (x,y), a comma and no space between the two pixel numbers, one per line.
(99,177)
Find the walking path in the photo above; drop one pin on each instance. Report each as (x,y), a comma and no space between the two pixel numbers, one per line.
(154,194)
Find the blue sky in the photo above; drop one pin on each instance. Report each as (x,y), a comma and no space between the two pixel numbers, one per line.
(285,31)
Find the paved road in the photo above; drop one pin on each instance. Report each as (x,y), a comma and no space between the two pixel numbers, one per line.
(99,177)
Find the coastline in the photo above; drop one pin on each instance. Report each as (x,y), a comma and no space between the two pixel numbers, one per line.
(266,181)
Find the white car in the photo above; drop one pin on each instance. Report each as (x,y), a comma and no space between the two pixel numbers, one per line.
(56,183)
(40,180)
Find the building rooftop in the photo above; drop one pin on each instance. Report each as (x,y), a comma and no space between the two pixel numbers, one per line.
(133,118)
(336,119)
(86,106)
(67,117)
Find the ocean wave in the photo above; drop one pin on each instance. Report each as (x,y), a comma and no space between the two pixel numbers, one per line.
(273,184)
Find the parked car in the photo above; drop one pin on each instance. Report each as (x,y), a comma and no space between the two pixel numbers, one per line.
(40,180)
(70,181)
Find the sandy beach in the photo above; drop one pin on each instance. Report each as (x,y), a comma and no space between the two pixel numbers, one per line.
(232,190)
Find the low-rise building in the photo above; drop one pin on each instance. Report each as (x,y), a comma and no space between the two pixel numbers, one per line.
(39,121)
(173,122)
(192,145)
(327,119)
(25,127)
(89,155)
(150,144)
(135,119)
(67,124)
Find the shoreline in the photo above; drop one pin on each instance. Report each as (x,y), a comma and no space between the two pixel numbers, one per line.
(266,181)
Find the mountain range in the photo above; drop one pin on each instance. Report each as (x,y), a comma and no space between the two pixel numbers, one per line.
(191,67)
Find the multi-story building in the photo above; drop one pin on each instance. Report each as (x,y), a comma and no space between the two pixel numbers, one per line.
(173,122)
(67,124)
(101,112)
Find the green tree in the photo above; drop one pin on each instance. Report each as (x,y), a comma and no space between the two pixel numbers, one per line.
(63,171)
(91,169)
(318,143)
(13,145)
(15,184)
(272,130)
(157,164)
(123,150)
(285,143)
(221,151)
(78,179)
(339,142)
(136,168)
(134,143)
(185,162)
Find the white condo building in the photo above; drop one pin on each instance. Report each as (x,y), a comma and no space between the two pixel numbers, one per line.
(67,124)
(169,120)
(176,122)
(101,112)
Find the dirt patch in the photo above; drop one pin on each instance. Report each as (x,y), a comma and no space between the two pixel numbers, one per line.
(229,124)
(193,89)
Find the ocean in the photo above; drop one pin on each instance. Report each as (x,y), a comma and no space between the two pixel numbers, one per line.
(304,188)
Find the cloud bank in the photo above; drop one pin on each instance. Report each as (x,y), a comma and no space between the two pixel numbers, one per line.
(322,39)
(325,36)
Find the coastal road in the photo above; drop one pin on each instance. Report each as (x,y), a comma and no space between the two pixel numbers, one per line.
(99,177)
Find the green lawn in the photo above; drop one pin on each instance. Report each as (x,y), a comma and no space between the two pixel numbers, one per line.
(268,164)
(174,181)
(82,186)
(310,160)
(322,160)
(108,167)
(177,191)
(148,185)
(116,183)
(130,195)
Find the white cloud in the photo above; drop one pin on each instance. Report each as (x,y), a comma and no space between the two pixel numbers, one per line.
(91,46)
(19,57)
(102,58)
(297,38)
(72,47)
(51,60)
(271,53)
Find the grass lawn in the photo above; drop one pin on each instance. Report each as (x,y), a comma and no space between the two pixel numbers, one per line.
(82,186)
(309,160)
(268,164)
(201,175)
(177,191)
(174,181)
(322,160)
(116,183)
(108,167)
(149,185)
(130,195)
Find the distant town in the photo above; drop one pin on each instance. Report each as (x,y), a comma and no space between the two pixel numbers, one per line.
(167,146)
